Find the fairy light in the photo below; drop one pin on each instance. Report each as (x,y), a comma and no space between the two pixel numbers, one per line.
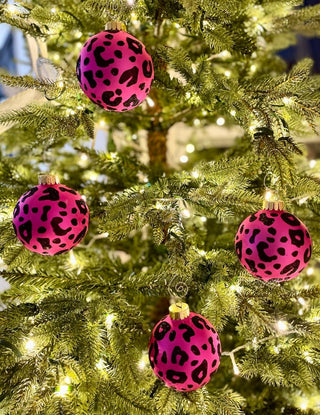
(72,259)
(30,345)
(282,325)
(100,365)
(184,159)
(134,136)
(307,356)
(60,84)
(67,380)
(253,68)
(56,57)
(190,148)
(185,213)
(227,74)
(194,68)
(203,219)
(142,364)
(287,100)
(195,174)
(204,113)
(150,102)
(304,404)
(276,349)
(312,163)
(233,113)
(224,54)
(220,121)
(62,390)
(310,271)
(83,157)
(196,122)
(188,95)
(109,320)
(53,10)
(302,301)
(130,2)
(102,123)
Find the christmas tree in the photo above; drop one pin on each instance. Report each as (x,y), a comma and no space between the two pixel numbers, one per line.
(75,327)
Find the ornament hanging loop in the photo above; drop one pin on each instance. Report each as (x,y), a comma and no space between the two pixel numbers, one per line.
(177,289)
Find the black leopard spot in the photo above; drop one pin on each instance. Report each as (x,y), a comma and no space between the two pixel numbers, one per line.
(190,386)
(307,234)
(16,210)
(277,266)
(195,350)
(71,236)
(214,363)
(132,100)
(177,351)
(56,228)
(176,377)
(66,189)
(296,237)
(106,98)
(62,205)
(100,61)
(199,374)
(56,240)
(45,211)
(52,194)
(118,54)
(270,240)
(253,236)
(107,82)
(131,74)
(107,43)
(62,245)
(239,249)
(86,61)
(147,69)
(172,335)
(150,351)
(204,347)
(134,45)
(246,231)
(25,209)
(14,228)
(99,74)
(42,229)
(290,219)
(21,219)
(213,350)
(120,43)
(200,322)
(268,272)
(261,266)
(194,362)
(91,44)
(141,86)
(61,252)
(241,228)
(74,222)
(295,253)
(80,235)
(89,77)
(132,58)
(164,358)
(74,210)
(290,268)
(34,209)
(114,71)
(108,36)
(189,332)
(307,254)
(78,69)
(161,330)
(219,349)
(251,264)
(34,246)
(25,231)
(62,213)
(261,247)
(118,91)
(265,220)
(248,251)
(160,374)
(274,215)
(156,352)
(273,231)
(281,251)
(253,218)
(44,242)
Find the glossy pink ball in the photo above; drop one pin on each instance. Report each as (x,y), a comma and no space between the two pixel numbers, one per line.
(114,70)
(184,353)
(273,245)
(50,219)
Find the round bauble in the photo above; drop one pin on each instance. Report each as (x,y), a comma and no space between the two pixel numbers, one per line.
(184,349)
(273,245)
(114,70)
(50,219)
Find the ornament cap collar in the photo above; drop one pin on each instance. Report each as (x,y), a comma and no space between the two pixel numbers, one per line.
(114,25)
(274,205)
(48,179)
(179,311)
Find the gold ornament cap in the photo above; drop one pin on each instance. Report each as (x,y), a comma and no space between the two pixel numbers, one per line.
(179,311)
(48,179)
(114,25)
(273,205)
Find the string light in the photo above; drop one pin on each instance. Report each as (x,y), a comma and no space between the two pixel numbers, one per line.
(30,345)
(62,390)
(276,349)
(53,10)
(304,404)
(227,74)
(220,121)
(282,325)
(185,213)
(308,358)
(134,136)
(100,365)
(233,113)
(72,259)
(188,95)
(109,320)
(253,68)
(204,113)
(302,301)
(184,159)
(196,122)
(130,2)
(67,380)
(203,219)
(60,84)
(310,271)
(83,157)
(102,123)
(143,361)
(312,163)
(195,174)
(190,148)
(150,102)
(287,100)
(12,9)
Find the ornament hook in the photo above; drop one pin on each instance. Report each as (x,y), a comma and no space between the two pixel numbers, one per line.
(177,289)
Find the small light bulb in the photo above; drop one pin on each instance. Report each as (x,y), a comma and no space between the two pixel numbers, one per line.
(12,9)
(233,113)
(225,54)
(134,136)
(287,100)
(109,320)
(184,159)
(310,271)
(312,163)
(142,364)
(194,68)
(60,84)
(253,68)
(185,213)
(30,345)
(102,123)
(84,157)
(145,179)
(150,102)
(220,121)
(204,113)
(282,325)
(268,195)
(302,301)
(276,349)
(72,259)
(195,174)
(62,390)
(196,122)
(100,365)
(304,404)
(53,10)
(190,148)
(203,219)
(67,380)
(188,95)
(227,74)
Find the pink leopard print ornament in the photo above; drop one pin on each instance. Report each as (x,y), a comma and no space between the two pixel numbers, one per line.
(184,353)
(114,70)
(273,245)
(50,219)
